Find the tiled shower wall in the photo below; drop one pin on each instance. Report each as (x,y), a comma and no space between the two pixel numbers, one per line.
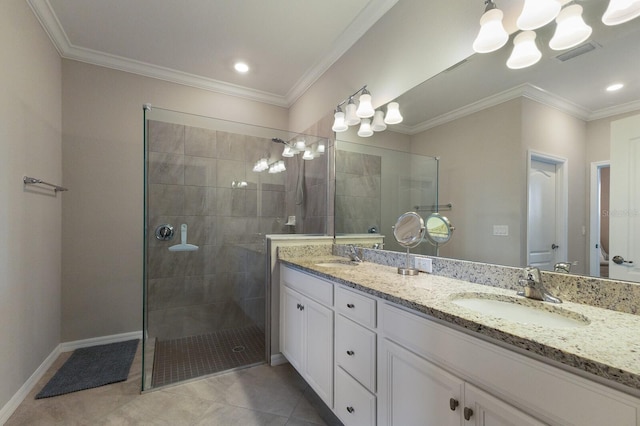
(193,178)
(358,195)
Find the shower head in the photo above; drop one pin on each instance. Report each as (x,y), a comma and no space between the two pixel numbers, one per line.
(278,140)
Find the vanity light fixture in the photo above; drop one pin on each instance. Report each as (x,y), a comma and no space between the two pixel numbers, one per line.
(492,35)
(308,155)
(571,30)
(621,11)
(376,121)
(525,51)
(320,148)
(538,13)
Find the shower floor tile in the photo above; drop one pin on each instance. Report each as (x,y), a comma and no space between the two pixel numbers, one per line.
(185,358)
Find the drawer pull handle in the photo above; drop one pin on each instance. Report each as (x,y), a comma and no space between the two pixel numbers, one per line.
(350,305)
(350,410)
(351,353)
(468,412)
(453,404)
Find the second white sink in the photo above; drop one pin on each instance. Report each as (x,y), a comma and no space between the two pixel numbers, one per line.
(513,309)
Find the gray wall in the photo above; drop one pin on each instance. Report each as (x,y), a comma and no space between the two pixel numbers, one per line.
(30,138)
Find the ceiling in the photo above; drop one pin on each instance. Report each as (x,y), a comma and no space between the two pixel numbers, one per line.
(287,43)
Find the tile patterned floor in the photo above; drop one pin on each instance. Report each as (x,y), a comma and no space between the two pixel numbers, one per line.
(177,360)
(255,396)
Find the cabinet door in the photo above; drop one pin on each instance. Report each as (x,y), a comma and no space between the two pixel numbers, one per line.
(486,410)
(318,351)
(291,326)
(412,391)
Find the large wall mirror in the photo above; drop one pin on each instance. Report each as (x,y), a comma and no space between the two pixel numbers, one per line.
(525,154)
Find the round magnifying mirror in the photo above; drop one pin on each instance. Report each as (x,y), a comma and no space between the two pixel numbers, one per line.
(439,229)
(409,232)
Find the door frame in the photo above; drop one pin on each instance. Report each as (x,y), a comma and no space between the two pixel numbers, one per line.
(593,250)
(562,200)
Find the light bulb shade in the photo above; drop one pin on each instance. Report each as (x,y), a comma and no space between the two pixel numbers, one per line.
(320,149)
(537,13)
(571,29)
(365,109)
(365,128)
(492,35)
(378,124)
(300,145)
(525,52)
(351,118)
(308,155)
(280,166)
(339,124)
(621,11)
(288,152)
(393,113)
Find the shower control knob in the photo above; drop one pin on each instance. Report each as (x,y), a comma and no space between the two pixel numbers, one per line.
(164,232)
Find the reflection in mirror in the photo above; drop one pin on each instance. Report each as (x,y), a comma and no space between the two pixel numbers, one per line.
(409,232)
(485,122)
(375,185)
(438,229)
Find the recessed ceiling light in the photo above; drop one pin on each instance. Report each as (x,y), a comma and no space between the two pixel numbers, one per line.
(615,87)
(241,67)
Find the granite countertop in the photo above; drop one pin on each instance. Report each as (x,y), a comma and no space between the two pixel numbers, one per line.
(607,346)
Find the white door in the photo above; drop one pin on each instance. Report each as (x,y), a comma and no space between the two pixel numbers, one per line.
(318,351)
(624,214)
(482,409)
(414,392)
(291,323)
(546,240)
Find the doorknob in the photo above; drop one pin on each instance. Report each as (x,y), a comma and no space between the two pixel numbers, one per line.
(554,246)
(619,260)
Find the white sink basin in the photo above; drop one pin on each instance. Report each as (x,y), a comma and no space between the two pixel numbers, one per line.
(337,264)
(520,310)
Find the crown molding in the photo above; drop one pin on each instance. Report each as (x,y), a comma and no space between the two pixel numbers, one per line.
(374,10)
(370,14)
(525,90)
(615,110)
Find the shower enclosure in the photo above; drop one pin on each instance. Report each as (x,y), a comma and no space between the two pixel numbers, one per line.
(207,211)
(374,186)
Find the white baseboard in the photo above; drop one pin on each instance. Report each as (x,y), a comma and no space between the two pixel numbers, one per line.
(77,344)
(27,387)
(278,359)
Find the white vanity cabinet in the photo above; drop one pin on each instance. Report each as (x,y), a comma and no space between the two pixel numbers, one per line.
(393,366)
(423,366)
(306,329)
(416,392)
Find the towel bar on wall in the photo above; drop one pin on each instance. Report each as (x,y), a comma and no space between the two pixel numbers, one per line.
(434,208)
(33,181)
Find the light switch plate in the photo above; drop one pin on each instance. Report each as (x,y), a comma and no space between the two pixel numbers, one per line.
(501,230)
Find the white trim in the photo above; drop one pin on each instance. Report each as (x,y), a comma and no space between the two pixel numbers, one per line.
(278,359)
(15,401)
(593,253)
(562,200)
(12,405)
(374,10)
(103,340)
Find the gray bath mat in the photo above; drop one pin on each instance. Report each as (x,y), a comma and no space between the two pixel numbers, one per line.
(91,367)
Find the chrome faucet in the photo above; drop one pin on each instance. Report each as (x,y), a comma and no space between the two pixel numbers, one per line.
(533,287)
(353,254)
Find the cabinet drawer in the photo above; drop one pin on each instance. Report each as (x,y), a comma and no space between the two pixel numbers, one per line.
(355,405)
(356,351)
(361,309)
(312,287)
